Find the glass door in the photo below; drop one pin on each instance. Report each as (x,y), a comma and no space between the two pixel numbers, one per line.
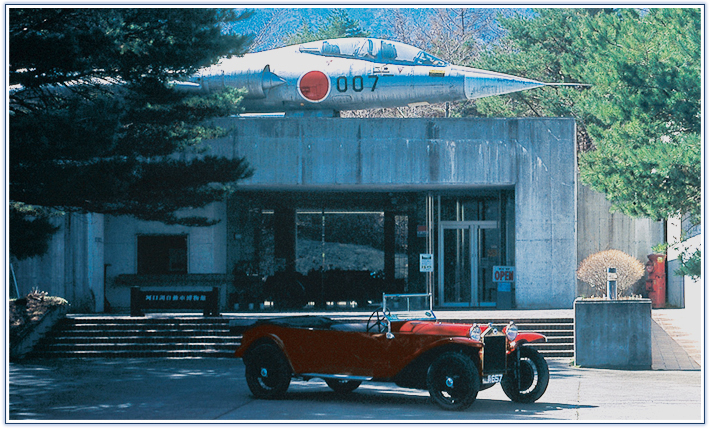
(459,261)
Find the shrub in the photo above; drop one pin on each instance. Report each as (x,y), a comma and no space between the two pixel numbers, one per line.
(592,270)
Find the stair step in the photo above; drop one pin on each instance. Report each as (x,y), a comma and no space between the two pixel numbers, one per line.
(176,337)
(145,339)
(560,339)
(136,354)
(134,346)
(146,332)
(503,322)
(121,327)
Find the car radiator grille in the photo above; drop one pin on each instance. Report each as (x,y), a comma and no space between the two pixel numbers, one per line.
(494,356)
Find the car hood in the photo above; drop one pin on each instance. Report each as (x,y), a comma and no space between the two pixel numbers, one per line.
(436,328)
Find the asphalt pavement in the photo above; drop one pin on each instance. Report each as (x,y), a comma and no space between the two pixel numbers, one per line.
(214,389)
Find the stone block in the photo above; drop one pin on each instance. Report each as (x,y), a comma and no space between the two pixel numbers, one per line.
(613,333)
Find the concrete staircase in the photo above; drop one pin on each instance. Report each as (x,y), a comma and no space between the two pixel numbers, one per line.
(152,336)
(559,332)
(194,336)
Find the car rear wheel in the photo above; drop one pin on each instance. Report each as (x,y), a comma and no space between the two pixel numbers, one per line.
(453,381)
(268,373)
(342,386)
(530,382)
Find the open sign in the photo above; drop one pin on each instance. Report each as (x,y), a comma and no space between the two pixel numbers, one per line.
(503,274)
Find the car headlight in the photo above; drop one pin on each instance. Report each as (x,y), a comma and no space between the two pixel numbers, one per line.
(475,333)
(511,331)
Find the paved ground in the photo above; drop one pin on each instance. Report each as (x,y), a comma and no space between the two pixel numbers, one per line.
(199,390)
(677,339)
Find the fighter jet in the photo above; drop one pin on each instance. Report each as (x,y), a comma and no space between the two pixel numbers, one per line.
(325,77)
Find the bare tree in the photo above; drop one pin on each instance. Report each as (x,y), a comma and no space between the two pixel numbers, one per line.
(456,35)
(277,17)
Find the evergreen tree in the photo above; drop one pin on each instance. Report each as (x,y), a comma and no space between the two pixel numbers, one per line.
(95,126)
(639,124)
(640,121)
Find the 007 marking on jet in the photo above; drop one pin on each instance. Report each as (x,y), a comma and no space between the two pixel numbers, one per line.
(341,83)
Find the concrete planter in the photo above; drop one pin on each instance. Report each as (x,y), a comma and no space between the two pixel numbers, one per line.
(612,333)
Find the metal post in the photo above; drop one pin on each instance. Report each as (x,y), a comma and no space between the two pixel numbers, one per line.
(430,239)
(611,283)
(136,299)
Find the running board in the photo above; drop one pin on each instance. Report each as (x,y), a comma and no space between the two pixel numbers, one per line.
(336,376)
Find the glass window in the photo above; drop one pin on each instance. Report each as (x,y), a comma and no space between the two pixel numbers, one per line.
(372,50)
(690,226)
(162,254)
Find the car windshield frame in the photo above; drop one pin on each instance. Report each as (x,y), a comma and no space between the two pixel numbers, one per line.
(406,307)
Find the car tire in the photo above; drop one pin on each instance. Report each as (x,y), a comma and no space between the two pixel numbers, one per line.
(453,381)
(267,371)
(534,377)
(342,386)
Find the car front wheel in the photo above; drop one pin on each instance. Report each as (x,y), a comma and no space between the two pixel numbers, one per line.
(268,373)
(527,384)
(453,381)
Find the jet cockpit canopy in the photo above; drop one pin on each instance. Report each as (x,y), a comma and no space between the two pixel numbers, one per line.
(376,50)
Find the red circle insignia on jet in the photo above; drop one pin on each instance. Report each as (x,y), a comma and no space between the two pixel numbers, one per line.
(314,86)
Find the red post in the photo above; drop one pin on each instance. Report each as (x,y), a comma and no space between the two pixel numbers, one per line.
(656,282)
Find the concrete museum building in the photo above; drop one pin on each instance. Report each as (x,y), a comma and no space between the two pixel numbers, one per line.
(483,213)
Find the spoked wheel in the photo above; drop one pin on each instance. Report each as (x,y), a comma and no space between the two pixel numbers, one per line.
(268,373)
(342,386)
(377,322)
(453,381)
(527,384)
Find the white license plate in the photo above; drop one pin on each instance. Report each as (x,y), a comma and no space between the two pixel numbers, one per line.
(492,378)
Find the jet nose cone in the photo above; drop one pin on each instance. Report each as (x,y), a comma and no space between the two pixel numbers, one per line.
(482,83)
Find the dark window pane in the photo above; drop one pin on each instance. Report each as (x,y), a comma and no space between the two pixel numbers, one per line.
(162,254)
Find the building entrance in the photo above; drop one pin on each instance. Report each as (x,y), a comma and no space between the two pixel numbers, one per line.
(463,262)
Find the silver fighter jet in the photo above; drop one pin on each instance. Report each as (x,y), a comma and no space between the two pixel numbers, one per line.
(322,78)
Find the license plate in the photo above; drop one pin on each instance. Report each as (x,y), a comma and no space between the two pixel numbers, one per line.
(492,378)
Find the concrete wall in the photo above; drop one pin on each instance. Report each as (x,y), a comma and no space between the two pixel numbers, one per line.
(73,268)
(536,156)
(206,252)
(682,291)
(545,214)
(601,230)
(557,221)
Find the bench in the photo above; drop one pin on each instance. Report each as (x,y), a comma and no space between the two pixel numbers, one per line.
(207,301)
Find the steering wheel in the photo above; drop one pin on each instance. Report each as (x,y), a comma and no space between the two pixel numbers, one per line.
(377,322)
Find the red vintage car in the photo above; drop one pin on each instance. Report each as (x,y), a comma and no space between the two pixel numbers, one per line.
(402,343)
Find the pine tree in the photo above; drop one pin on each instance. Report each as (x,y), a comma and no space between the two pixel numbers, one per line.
(639,125)
(95,126)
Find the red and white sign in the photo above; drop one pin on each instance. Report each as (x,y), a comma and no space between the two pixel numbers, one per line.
(503,274)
